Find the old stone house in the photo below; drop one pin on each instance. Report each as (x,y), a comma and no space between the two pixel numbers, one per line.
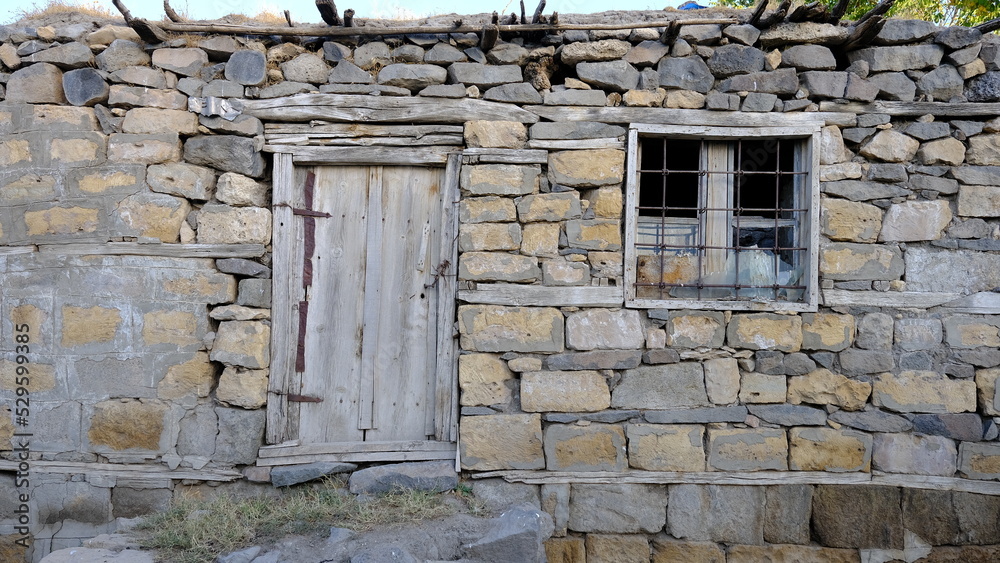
(715,291)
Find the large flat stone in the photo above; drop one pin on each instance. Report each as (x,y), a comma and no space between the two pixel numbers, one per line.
(432,476)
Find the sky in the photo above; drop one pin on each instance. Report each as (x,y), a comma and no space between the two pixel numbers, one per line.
(305,10)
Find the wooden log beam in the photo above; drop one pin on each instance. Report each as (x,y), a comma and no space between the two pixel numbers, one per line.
(862,34)
(328,11)
(987,27)
(383,109)
(323,31)
(288,18)
(670,33)
(164,250)
(838,11)
(941,109)
(349,17)
(171,14)
(147,31)
(688,117)
(879,10)
(537,16)
(757,12)
(488,38)
(775,16)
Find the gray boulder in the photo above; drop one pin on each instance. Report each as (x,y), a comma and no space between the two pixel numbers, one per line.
(618,76)
(120,54)
(347,72)
(894,86)
(958,37)
(809,57)
(941,84)
(412,77)
(900,32)
(781,81)
(685,73)
(36,84)
(306,68)
(435,476)
(728,60)
(67,57)
(517,93)
(295,474)
(518,535)
(825,84)
(226,152)
(895,59)
(248,68)
(439,54)
(483,76)
(85,87)
(984,88)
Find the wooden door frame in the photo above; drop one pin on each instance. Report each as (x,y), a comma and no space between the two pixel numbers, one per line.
(282,415)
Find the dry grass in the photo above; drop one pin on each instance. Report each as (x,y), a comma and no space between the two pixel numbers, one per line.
(92,9)
(197,531)
(265,17)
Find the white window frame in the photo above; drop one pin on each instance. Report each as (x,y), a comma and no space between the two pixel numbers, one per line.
(810,133)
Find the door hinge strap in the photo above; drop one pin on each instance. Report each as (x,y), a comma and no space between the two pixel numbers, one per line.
(300,347)
(293,398)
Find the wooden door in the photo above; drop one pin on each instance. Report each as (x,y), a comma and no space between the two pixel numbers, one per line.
(370,374)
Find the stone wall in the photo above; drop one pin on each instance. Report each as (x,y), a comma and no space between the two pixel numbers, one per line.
(153,352)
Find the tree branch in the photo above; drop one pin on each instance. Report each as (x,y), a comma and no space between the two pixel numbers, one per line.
(537,17)
(989,26)
(328,11)
(171,14)
(757,12)
(838,11)
(775,16)
(349,17)
(879,10)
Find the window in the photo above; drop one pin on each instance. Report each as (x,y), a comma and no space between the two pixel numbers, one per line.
(722,217)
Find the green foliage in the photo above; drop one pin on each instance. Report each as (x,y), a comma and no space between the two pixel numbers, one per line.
(942,12)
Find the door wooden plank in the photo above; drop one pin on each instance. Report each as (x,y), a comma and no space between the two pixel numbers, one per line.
(445,282)
(372,299)
(333,341)
(296,448)
(283,289)
(406,341)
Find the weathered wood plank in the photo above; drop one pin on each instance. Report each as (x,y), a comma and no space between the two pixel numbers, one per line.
(165,250)
(982,303)
(941,109)
(542,296)
(897,299)
(370,341)
(296,448)
(356,130)
(383,109)
(320,141)
(392,156)
(336,307)
(445,283)
(550,144)
(358,457)
(507,156)
(360,29)
(689,117)
(747,478)
(130,472)
(284,309)
(12,250)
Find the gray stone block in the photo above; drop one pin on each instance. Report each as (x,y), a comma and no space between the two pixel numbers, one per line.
(855,362)
(786,514)
(254,293)
(809,57)
(413,77)
(798,364)
(697,416)
(448,91)
(984,88)
(498,495)
(967,427)
(36,84)
(933,270)
(517,93)
(347,72)
(894,86)
(926,131)
(916,360)
(617,508)
(789,415)
(769,362)
(198,431)
(434,476)
(247,67)
(574,130)
(941,84)
(335,52)
(609,416)
(726,514)
(576,98)
(857,517)
(284,476)
(517,535)
(226,152)
(731,59)
(685,73)
(616,76)
(783,81)
(596,359)
(223,89)
(664,386)
(85,87)
(957,37)
(900,31)
(243,267)
(240,435)
(444,54)
(67,57)
(931,516)
(483,76)
(895,59)
(759,102)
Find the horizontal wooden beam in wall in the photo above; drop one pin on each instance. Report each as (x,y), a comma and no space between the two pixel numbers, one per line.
(553,144)
(165,250)
(361,29)
(356,130)
(940,109)
(758,478)
(507,156)
(11,250)
(690,117)
(134,473)
(543,296)
(323,141)
(896,299)
(982,303)
(386,156)
(416,450)
(383,109)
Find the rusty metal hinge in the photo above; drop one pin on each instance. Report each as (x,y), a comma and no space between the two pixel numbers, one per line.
(292,397)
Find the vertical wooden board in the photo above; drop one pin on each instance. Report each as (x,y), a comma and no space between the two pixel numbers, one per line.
(335,324)
(445,284)
(372,300)
(632,155)
(285,288)
(406,340)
